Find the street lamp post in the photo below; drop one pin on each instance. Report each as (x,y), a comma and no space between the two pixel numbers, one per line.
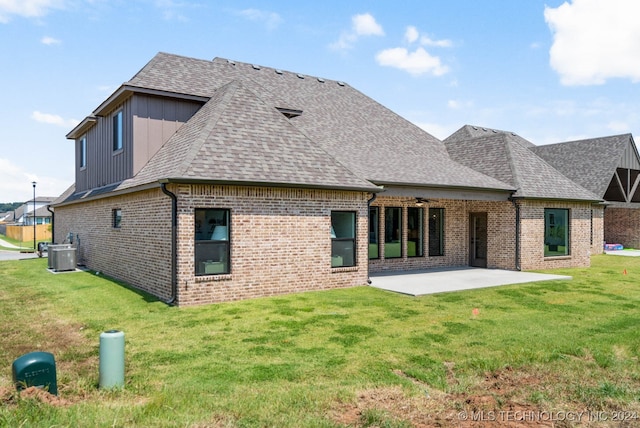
(34,215)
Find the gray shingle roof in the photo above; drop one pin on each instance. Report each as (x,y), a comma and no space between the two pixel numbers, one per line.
(237,137)
(337,123)
(471,131)
(591,162)
(510,159)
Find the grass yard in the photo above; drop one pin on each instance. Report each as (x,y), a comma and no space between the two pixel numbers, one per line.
(359,357)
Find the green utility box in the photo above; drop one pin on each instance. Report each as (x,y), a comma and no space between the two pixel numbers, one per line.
(35,369)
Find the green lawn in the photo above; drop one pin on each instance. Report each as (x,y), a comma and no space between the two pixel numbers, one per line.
(353,357)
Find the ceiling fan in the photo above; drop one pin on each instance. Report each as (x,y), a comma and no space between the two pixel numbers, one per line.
(418,201)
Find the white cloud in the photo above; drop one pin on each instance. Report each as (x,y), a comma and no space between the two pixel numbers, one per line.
(15,183)
(27,8)
(53,119)
(415,63)
(595,40)
(444,43)
(270,19)
(361,25)
(366,25)
(411,35)
(49,40)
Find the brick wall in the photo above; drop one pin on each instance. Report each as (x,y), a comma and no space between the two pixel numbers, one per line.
(532,235)
(598,226)
(280,240)
(622,226)
(138,252)
(500,234)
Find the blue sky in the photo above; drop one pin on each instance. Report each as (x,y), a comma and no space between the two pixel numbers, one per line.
(550,71)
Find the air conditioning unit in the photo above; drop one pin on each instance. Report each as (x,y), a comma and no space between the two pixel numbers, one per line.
(64,259)
(50,255)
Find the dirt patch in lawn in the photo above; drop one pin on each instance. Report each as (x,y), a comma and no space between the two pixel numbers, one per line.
(497,401)
(75,358)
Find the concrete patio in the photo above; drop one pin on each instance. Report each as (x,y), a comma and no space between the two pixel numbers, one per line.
(431,281)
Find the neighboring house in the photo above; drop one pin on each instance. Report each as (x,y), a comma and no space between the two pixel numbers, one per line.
(204,181)
(551,208)
(610,168)
(24,214)
(6,217)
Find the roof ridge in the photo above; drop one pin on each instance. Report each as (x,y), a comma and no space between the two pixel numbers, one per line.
(604,137)
(510,160)
(258,67)
(226,93)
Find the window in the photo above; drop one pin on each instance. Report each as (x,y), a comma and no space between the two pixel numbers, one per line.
(374,227)
(212,246)
(83,152)
(117,131)
(392,232)
(343,238)
(117,218)
(556,232)
(415,232)
(436,232)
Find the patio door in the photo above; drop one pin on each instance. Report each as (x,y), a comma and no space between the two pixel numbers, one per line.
(478,239)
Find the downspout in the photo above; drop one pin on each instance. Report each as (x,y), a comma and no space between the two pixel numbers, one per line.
(373,198)
(53,224)
(174,239)
(517,207)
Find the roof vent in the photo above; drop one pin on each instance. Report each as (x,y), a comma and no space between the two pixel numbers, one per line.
(484,129)
(494,131)
(320,79)
(341,83)
(289,112)
(278,71)
(300,76)
(231,62)
(256,67)
(475,127)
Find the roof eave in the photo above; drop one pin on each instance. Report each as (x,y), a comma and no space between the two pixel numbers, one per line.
(125,91)
(444,186)
(81,128)
(368,189)
(542,198)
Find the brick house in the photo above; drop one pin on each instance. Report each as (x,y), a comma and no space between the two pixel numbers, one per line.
(550,208)
(206,181)
(610,168)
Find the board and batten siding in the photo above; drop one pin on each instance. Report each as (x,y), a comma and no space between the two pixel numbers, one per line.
(147,121)
(104,165)
(155,120)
